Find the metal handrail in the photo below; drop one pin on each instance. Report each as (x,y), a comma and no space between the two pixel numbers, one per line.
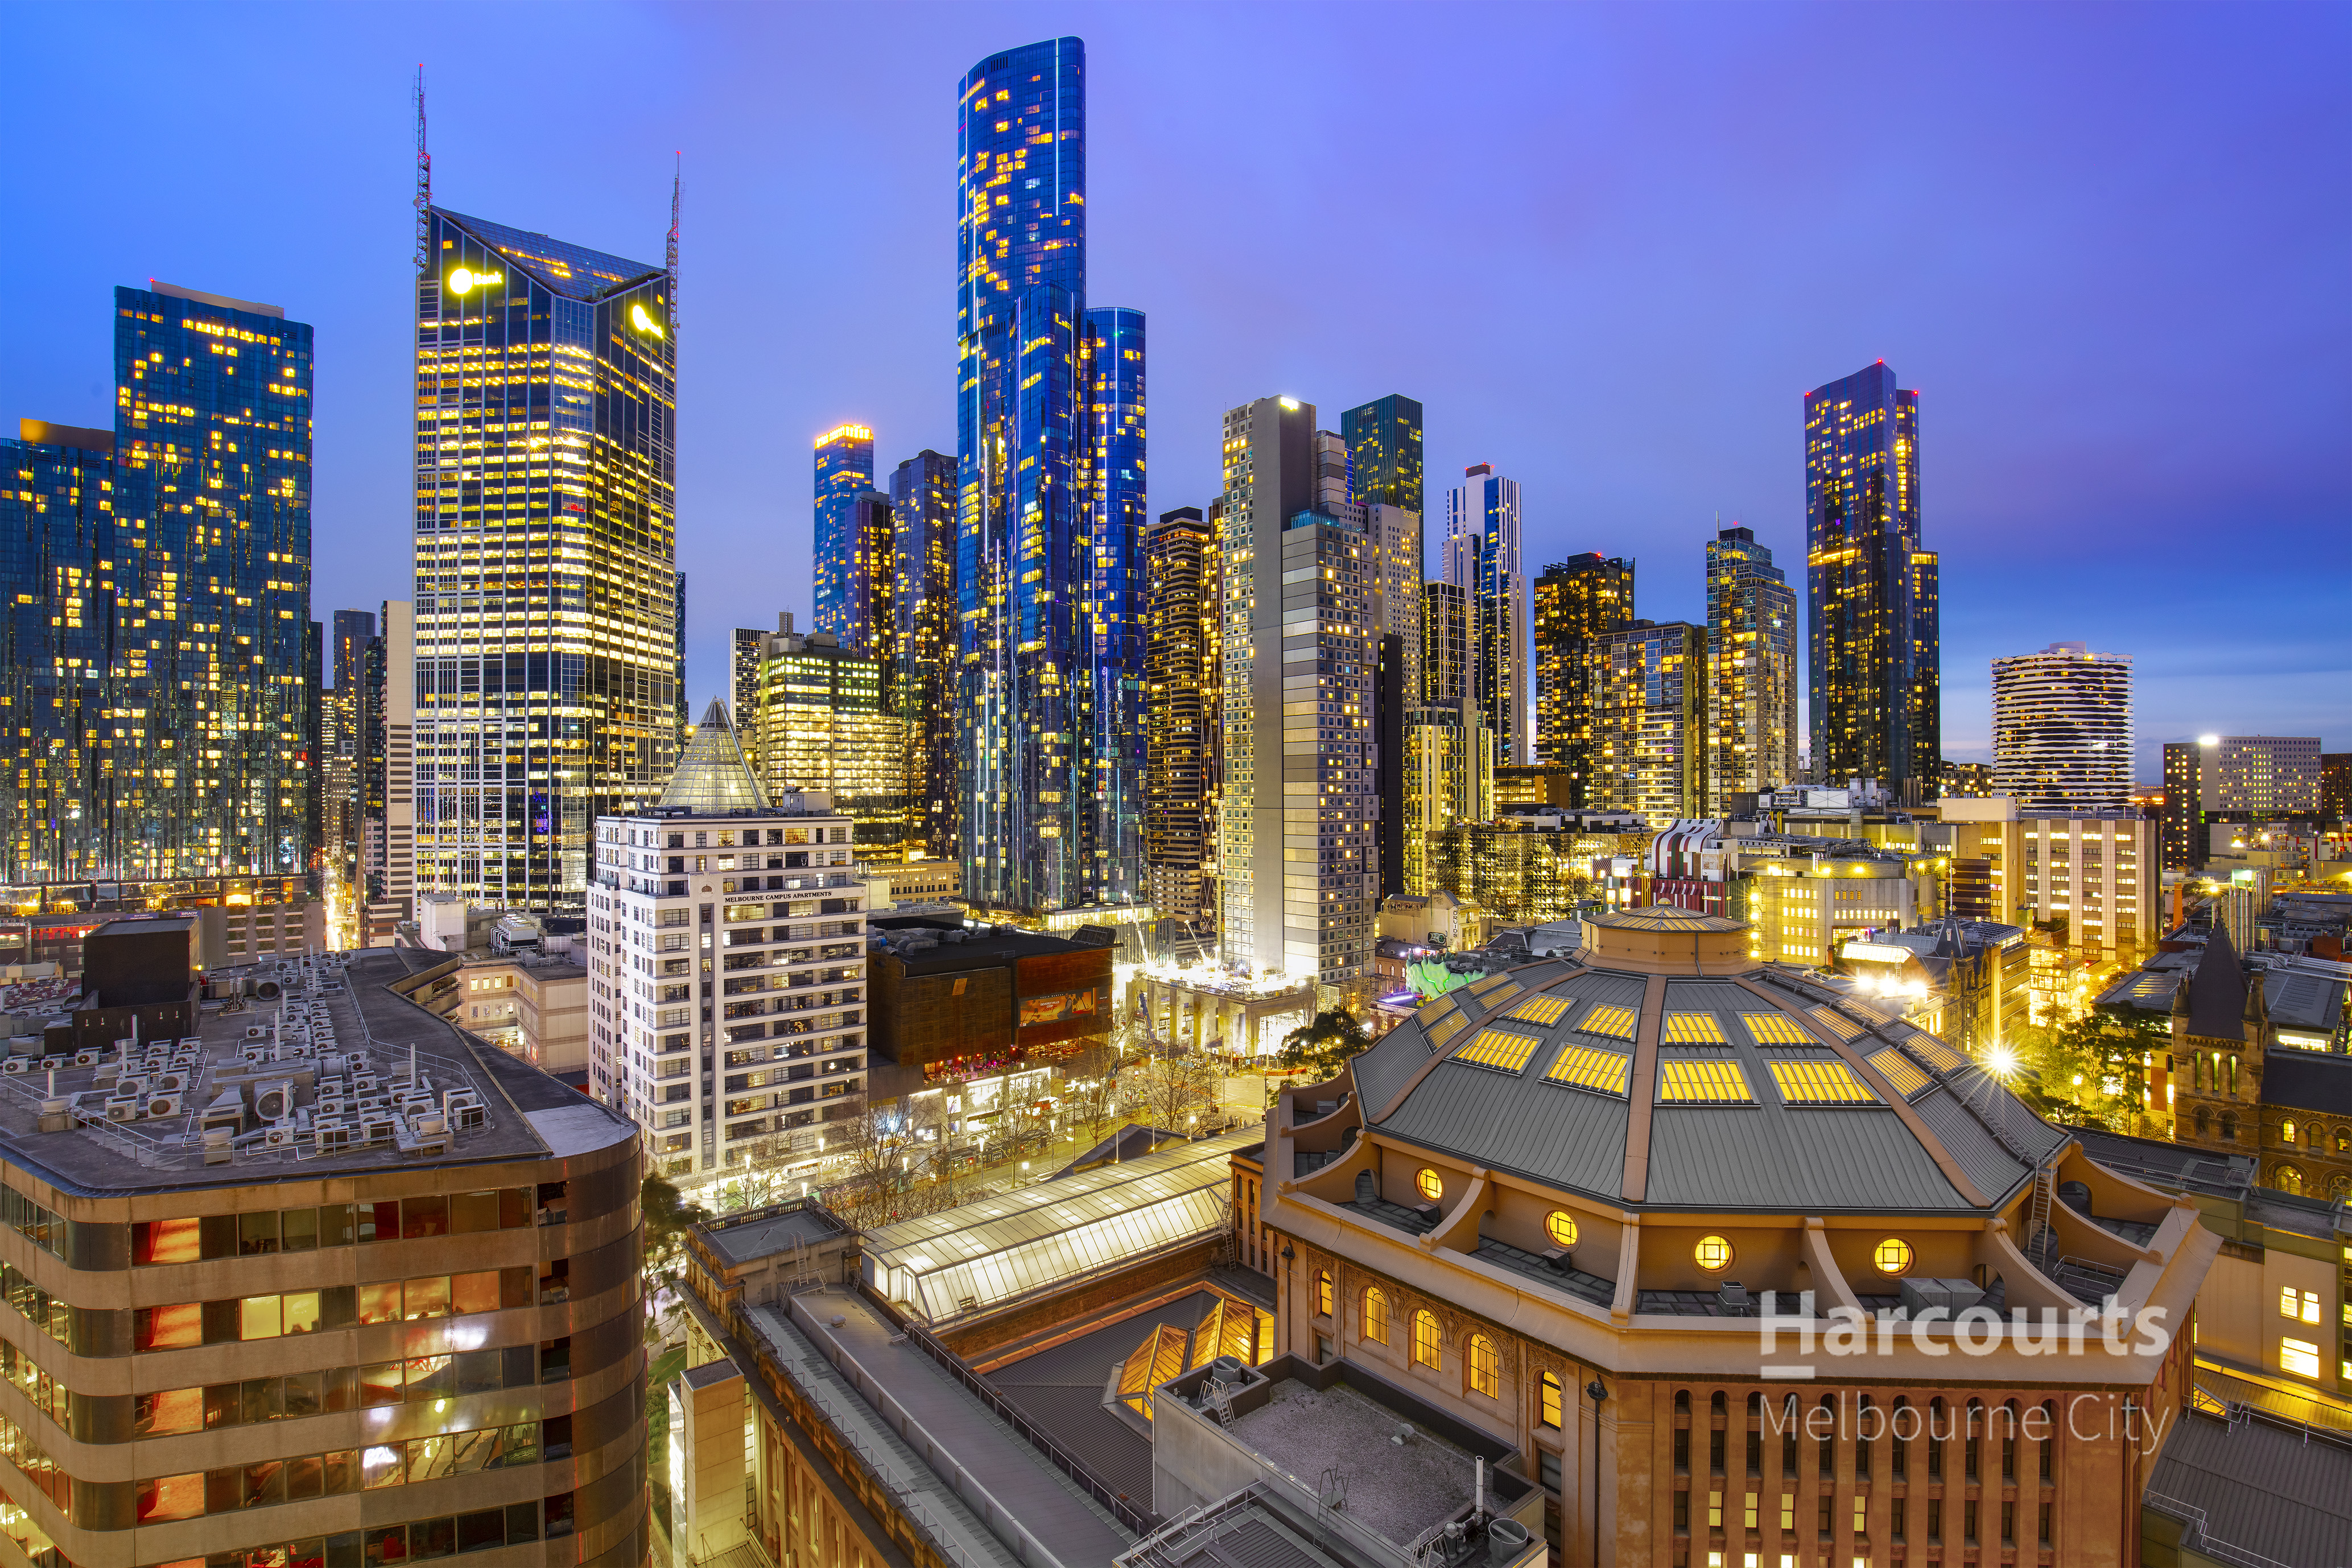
(2191,1515)
(1140,1520)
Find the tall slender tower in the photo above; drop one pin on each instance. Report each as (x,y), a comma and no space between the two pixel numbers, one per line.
(1050,484)
(923,639)
(1575,600)
(852,538)
(1751,680)
(547,588)
(1482,556)
(1874,645)
(1182,713)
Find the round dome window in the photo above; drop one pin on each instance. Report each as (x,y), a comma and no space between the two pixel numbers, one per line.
(1713,1253)
(1560,1225)
(1893,1256)
(1427,1184)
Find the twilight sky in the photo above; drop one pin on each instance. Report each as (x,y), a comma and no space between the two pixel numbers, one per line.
(1609,248)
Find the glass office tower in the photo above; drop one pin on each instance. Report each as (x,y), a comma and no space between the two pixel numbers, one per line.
(159,656)
(1482,554)
(1183,717)
(1049,505)
(547,590)
(852,538)
(1874,698)
(1383,439)
(1751,685)
(923,639)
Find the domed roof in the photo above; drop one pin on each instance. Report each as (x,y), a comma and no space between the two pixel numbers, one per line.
(1687,1081)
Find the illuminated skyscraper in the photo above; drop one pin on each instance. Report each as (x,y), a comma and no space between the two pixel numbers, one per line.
(745,650)
(824,722)
(1575,600)
(1182,604)
(1649,709)
(852,558)
(1449,752)
(1482,554)
(2062,728)
(159,660)
(547,589)
(1297,866)
(1873,646)
(1050,486)
(923,639)
(1751,680)
(1384,438)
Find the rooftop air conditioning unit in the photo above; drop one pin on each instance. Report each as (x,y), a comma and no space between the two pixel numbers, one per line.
(275,1102)
(332,1133)
(377,1128)
(163,1105)
(122,1111)
(170,1081)
(280,1136)
(87,1057)
(130,1085)
(16,1067)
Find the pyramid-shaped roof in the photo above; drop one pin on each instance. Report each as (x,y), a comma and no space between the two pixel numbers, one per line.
(2217,990)
(712,776)
(571,270)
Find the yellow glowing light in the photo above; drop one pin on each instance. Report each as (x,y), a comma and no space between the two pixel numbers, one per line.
(852,432)
(2002,1060)
(464,280)
(1288,402)
(643,322)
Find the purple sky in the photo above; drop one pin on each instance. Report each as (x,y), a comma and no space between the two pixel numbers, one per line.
(1609,248)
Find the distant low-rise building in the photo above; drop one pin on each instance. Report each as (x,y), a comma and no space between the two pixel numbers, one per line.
(2091,878)
(1534,864)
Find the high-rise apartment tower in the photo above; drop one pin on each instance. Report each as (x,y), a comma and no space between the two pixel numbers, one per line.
(853,556)
(1482,554)
(1752,679)
(923,639)
(1182,717)
(1649,709)
(2062,728)
(1873,647)
(1575,600)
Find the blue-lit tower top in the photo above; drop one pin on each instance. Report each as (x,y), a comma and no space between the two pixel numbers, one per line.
(1114,599)
(844,585)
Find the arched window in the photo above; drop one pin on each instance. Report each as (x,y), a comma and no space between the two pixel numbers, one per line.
(1547,1406)
(2229,1127)
(2316,1138)
(1376,1315)
(2233,1076)
(2287,1179)
(1426,1349)
(1682,1402)
(1715,1403)
(2339,1185)
(1323,1293)
(2286,1130)
(1485,1368)
(2343,1140)
(2204,1122)
(2049,1437)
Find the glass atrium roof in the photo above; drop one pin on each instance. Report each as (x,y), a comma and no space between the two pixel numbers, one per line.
(712,776)
(981,1255)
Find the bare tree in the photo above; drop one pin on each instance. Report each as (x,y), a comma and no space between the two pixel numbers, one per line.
(1175,1092)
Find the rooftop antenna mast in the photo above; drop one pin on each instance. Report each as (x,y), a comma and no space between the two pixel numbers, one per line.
(676,174)
(424,179)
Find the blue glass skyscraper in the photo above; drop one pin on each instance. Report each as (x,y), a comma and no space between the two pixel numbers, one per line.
(852,538)
(1049,506)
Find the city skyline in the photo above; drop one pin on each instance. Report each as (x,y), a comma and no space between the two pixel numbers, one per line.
(2022,464)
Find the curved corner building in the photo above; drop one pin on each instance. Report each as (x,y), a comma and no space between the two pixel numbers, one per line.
(1599,1174)
(307,1311)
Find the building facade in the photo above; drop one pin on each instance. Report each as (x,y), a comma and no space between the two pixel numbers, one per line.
(342,712)
(1050,487)
(1297,878)
(2251,777)
(1646,685)
(2062,728)
(1872,638)
(1575,600)
(159,650)
(1570,1187)
(923,639)
(825,724)
(727,967)
(1751,680)
(547,586)
(852,555)
(1482,556)
(2091,878)
(1384,461)
(1183,601)
(745,647)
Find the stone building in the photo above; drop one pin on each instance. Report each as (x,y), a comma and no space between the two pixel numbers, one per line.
(1587,1208)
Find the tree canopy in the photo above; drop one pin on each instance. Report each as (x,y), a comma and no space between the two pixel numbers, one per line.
(1323,1045)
